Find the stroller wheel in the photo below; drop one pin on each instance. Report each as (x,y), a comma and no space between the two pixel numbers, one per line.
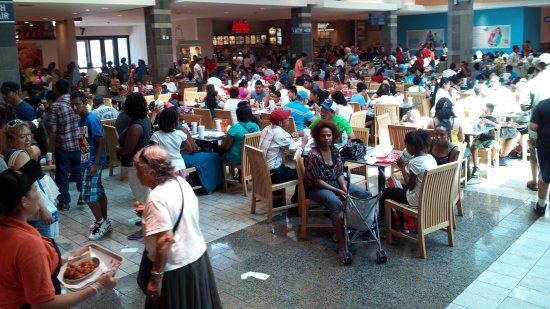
(381,257)
(346,259)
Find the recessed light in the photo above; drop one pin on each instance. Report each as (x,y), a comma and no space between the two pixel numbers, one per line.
(262,8)
(104,8)
(226,12)
(119,15)
(26,22)
(75,13)
(44,18)
(87,10)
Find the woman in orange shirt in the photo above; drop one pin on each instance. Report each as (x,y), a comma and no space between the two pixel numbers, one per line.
(29,263)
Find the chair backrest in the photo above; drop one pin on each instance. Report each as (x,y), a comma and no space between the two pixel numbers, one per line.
(320,84)
(193,118)
(206,117)
(107,102)
(108,122)
(165,97)
(261,179)
(382,123)
(250,139)
(374,86)
(223,114)
(190,97)
(264,123)
(301,171)
(436,196)
(190,89)
(391,108)
(149,98)
(356,106)
(358,119)
(265,116)
(417,97)
(400,88)
(456,183)
(362,134)
(111,142)
(397,135)
(291,125)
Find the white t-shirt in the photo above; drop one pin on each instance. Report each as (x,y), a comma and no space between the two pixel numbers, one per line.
(340,62)
(161,214)
(171,142)
(416,88)
(171,87)
(344,111)
(231,105)
(448,73)
(197,72)
(417,166)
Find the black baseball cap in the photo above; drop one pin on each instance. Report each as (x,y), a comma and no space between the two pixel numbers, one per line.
(16,184)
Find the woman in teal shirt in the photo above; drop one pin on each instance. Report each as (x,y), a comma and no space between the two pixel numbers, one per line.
(233,142)
(211,100)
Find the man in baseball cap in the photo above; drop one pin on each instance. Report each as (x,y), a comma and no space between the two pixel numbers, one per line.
(328,112)
(300,111)
(17,184)
(275,140)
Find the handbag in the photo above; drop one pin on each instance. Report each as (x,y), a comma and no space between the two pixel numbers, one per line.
(354,150)
(146,264)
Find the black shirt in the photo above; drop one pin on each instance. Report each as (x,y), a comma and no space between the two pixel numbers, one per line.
(541,116)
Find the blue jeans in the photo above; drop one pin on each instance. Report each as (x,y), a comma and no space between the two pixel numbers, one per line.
(67,162)
(330,200)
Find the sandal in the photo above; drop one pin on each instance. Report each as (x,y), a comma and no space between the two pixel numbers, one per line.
(531,185)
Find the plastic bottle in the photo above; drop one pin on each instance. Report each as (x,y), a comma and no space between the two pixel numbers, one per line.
(344,138)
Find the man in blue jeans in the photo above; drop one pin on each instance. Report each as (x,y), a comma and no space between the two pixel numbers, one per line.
(63,124)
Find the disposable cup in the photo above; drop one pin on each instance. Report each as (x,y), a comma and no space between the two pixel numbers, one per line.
(200,129)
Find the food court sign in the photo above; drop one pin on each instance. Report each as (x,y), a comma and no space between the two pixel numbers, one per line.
(6,12)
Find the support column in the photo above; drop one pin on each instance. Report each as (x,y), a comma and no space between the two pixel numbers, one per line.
(460,27)
(302,40)
(389,32)
(9,66)
(158,35)
(65,35)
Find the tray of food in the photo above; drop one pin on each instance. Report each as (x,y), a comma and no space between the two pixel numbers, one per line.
(85,265)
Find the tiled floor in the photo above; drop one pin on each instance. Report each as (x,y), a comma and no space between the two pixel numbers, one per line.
(501,257)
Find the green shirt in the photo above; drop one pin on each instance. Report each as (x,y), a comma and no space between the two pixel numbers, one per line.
(238,131)
(341,123)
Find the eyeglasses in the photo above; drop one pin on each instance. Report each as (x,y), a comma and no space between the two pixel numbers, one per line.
(13,123)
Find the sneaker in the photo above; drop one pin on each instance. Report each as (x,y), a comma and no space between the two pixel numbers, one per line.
(136,236)
(503,161)
(80,201)
(475,172)
(532,186)
(540,209)
(62,206)
(100,229)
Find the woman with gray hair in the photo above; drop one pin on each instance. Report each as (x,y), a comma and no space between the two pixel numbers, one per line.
(175,270)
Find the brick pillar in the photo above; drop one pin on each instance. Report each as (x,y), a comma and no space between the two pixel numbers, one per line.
(460,27)
(158,35)
(301,41)
(9,66)
(389,32)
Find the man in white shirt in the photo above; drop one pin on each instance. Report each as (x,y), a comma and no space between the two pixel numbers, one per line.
(274,140)
(198,74)
(513,59)
(170,84)
(451,71)
(102,111)
(91,75)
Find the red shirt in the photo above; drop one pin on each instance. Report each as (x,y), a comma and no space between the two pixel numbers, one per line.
(399,56)
(27,263)
(425,53)
(377,78)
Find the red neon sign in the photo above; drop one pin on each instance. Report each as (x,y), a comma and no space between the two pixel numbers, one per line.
(240,26)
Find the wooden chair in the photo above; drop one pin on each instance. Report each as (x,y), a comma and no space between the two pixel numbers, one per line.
(374,86)
(358,168)
(111,141)
(108,122)
(356,106)
(320,84)
(223,114)
(391,109)
(434,210)
(262,187)
(190,89)
(524,142)
(358,119)
(291,125)
(164,97)
(457,191)
(399,88)
(107,102)
(264,123)
(487,153)
(418,98)
(189,171)
(149,98)
(397,135)
(307,207)
(251,139)
(193,118)
(206,117)
(265,116)
(382,123)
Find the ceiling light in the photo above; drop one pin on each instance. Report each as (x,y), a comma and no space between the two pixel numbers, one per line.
(87,10)
(262,8)
(119,15)
(226,12)
(78,20)
(26,22)
(104,8)
(75,13)
(44,18)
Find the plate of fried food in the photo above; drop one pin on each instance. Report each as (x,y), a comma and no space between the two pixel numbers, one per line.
(81,269)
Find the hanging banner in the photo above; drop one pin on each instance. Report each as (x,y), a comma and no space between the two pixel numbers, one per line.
(491,36)
(430,37)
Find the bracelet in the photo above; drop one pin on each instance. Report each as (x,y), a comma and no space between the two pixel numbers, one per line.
(155,273)
(93,286)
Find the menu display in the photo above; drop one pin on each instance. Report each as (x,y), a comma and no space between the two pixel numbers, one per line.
(274,37)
